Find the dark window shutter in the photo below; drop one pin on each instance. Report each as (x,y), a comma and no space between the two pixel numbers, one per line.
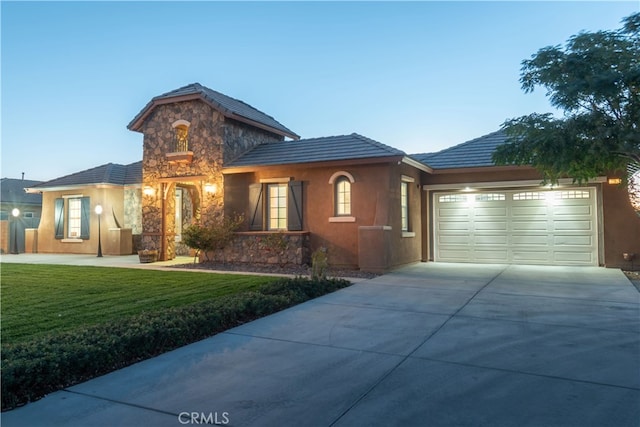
(294,206)
(59,218)
(85,217)
(255,206)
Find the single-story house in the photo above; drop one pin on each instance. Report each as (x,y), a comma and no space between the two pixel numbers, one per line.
(69,223)
(370,205)
(29,208)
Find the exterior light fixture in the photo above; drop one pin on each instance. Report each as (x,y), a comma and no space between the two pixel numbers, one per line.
(210,188)
(98,211)
(614,181)
(148,190)
(15,212)
(467,189)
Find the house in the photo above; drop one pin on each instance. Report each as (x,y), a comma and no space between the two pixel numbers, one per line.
(372,206)
(29,207)
(69,222)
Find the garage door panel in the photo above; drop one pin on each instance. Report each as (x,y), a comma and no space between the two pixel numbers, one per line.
(578,240)
(529,239)
(453,212)
(454,239)
(572,211)
(491,225)
(529,211)
(532,225)
(572,257)
(491,239)
(529,256)
(490,212)
(575,225)
(517,226)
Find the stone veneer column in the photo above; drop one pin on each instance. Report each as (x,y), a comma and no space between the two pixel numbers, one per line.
(213,139)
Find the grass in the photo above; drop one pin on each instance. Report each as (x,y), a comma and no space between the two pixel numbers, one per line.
(42,299)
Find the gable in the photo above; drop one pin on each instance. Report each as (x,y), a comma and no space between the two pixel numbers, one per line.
(230,107)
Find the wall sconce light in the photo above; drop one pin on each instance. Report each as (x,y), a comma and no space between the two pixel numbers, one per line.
(210,188)
(614,181)
(148,191)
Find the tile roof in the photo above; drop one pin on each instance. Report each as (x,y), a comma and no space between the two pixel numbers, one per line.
(343,147)
(474,153)
(230,107)
(12,191)
(110,173)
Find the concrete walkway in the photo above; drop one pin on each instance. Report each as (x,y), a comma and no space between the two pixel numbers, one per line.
(429,345)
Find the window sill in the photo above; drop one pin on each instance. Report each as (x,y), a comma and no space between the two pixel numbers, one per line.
(342,219)
(408,234)
(72,240)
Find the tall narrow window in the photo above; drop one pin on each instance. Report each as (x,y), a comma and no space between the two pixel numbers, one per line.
(343,196)
(75,218)
(277,206)
(404,205)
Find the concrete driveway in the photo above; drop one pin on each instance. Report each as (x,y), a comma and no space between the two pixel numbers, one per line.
(429,345)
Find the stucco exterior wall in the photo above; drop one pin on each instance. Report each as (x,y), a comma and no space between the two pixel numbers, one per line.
(375,202)
(621,226)
(112,201)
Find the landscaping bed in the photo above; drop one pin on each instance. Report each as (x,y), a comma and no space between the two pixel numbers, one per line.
(295,270)
(45,362)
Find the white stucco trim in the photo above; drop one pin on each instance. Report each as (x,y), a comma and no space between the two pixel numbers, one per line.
(180,122)
(506,184)
(274,180)
(342,219)
(339,174)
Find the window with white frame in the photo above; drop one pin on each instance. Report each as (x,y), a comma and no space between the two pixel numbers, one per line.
(277,206)
(404,205)
(343,196)
(74,224)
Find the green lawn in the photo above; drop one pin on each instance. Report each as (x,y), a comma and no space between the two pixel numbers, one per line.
(37,299)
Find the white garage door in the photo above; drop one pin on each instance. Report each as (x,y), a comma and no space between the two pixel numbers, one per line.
(523,227)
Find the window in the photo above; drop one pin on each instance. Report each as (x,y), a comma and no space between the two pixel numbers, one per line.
(71,217)
(343,196)
(75,218)
(27,215)
(277,206)
(530,195)
(452,198)
(490,197)
(181,136)
(404,205)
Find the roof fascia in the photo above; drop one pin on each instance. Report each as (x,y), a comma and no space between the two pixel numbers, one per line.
(506,184)
(416,164)
(480,169)
(40,190)
(332,163)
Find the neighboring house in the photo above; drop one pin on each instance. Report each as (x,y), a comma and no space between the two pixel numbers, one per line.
(370,205)
(69,222)
(13,196)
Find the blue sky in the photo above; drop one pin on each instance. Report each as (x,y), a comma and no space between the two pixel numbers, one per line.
(420,76)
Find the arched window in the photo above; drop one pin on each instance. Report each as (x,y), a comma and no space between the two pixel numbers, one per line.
(181,129)
(341,182)
(343,196)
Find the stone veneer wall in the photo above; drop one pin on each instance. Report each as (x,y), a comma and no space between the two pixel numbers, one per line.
(258,248)
(240,138)
(212,138)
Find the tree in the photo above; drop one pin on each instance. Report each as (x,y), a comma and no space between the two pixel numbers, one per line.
(595,79)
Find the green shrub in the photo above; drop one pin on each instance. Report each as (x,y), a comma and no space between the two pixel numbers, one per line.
(35,368)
